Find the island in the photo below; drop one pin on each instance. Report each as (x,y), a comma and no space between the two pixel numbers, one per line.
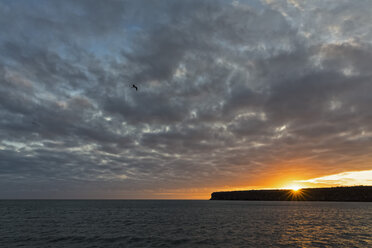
(353,193)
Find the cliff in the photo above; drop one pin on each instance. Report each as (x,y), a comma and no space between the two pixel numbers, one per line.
(355,193)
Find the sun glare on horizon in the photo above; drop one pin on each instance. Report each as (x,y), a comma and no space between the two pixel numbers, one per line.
(293,187)
(296,188)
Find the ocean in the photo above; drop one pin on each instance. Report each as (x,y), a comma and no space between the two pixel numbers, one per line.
(184,223)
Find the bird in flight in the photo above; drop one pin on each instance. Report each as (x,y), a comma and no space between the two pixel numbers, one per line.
(134,86)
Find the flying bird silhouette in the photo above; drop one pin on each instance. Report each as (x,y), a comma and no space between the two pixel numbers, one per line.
(134,86)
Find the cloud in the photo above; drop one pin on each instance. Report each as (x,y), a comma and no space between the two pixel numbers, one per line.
(349,178)
(229,95)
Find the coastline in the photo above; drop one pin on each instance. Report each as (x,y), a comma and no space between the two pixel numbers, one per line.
(342,194)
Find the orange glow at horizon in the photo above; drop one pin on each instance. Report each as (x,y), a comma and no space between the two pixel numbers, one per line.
(349,178)
(281,181)
(288,180)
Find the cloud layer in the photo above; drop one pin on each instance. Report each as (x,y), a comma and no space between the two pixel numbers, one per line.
(231,94)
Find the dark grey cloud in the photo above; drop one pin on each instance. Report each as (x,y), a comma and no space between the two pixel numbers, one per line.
(229,93)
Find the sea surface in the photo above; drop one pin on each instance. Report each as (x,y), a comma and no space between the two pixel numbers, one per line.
(163,223)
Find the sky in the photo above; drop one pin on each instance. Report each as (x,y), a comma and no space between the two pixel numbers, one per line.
(232,95)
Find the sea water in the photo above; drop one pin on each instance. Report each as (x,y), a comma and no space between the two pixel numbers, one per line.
(163,223)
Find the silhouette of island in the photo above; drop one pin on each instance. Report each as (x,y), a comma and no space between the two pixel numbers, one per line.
(353,193)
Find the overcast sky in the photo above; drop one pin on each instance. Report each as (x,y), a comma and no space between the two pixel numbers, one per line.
(232,94)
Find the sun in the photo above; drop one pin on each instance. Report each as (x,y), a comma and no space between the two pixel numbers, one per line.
(295,188)
(295,193)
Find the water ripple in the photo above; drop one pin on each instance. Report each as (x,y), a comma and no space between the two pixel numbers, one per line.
(184,224)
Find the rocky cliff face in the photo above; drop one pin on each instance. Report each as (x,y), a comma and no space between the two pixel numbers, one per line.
(355,193)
